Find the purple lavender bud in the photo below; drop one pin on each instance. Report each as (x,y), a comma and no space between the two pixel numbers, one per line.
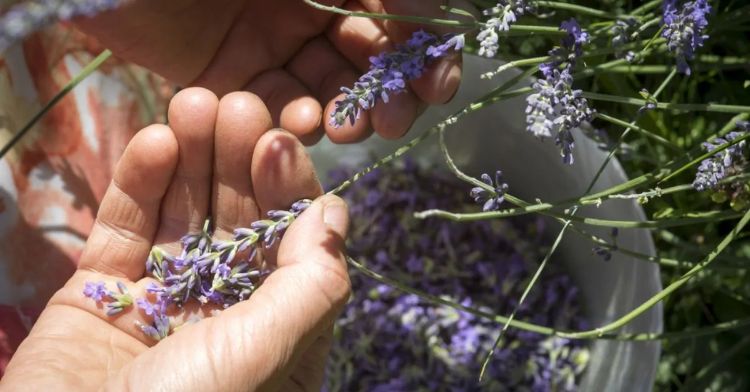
(602,252)
(491,200)
(300,206)
(684,28)
(146,306)
(96,291)
(389,73)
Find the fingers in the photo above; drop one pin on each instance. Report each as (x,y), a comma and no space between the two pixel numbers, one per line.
(291,105)
(282,172)
(128,215)
(265,336)
(192,117)
(241,121)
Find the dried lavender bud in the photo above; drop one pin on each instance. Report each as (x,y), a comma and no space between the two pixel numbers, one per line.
(26,17)
(728,162)
(159,329)
(401,343)
(119,301)
(502,16)
(389,73)
(490,200)
(96,291)
(684,28)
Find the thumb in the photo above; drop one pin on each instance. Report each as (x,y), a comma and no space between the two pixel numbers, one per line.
(254,345)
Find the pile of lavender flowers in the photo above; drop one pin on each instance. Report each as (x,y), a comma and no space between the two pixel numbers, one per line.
(208,271)
(387,340)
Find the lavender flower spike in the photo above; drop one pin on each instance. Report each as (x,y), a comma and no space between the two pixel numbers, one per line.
(555,108)
(502,16)
(389,73)
(725,163)
(684,27)
(28,16)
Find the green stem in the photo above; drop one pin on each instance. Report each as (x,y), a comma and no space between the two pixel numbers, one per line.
(526,326)
(526,292)
(579,9)
(647,7)
(705,107)
(639,130)
(624,320)
(85,72)
(687,219)
(400,18)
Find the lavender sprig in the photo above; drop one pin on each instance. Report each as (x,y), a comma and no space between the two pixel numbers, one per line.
(490,201)
(502,16)
(116,302)
(28,16)
(730,161)
(390,71)
(684,28)
(555,108)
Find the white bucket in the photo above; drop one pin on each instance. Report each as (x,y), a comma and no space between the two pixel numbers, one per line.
(495,138)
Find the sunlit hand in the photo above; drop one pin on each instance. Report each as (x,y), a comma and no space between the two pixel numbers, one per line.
(215,156)
(292,56)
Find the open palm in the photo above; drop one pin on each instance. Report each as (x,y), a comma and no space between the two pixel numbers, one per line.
(292,56)
(218,157)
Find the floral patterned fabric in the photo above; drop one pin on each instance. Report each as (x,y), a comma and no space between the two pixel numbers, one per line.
(51,183)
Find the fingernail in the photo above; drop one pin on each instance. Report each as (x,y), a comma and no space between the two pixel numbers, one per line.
(336,215)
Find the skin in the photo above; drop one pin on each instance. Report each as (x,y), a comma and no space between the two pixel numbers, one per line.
(294,57)
(217,155)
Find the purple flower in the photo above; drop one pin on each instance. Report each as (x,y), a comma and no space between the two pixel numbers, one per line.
(146,306)
(96,291)
(490,200)
(502,16)
(389,73)
(119,301)
(730,161)
(684,27)
(555,109)
(28,16)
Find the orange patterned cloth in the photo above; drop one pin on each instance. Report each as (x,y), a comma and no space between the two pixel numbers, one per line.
(51,183)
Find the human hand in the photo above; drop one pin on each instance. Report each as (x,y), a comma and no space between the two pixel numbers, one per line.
(294,57)
(215,156)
